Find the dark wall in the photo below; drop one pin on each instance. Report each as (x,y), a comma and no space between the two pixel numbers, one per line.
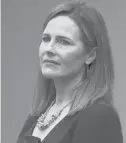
(21,35)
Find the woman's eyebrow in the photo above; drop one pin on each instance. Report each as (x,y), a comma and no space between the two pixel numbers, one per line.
(45,34)
(64,37)
(59,36)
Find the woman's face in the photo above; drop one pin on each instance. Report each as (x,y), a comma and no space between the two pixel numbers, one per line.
(61,43)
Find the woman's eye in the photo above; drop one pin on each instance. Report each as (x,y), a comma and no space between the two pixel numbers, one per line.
(45,39)
(64,42)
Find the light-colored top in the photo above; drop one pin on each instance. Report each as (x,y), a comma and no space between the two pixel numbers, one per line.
(42,134)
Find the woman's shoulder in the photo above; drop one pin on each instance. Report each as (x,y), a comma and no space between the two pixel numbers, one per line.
(100,110)
(99,113)
(98,123)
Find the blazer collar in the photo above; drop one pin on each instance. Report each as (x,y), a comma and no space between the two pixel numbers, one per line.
(55,135)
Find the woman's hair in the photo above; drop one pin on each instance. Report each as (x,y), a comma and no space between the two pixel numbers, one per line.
(98,79)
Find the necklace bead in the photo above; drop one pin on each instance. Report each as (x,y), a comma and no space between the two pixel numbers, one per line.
(42,125)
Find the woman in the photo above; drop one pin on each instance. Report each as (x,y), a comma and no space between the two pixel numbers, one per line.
(73,98)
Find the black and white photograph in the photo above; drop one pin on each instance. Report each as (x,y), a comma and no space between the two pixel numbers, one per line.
(63,71)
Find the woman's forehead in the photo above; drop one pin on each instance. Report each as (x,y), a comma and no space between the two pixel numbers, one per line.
(64,26)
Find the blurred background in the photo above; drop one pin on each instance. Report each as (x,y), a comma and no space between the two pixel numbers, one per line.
(22,22)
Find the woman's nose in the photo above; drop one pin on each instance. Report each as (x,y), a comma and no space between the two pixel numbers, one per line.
(48,49)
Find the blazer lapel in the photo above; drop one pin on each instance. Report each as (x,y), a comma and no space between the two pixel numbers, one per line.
(59,131)
(55,135)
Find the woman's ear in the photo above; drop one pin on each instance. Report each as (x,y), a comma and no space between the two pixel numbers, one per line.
(91,57)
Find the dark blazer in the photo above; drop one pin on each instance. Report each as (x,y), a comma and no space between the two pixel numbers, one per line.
(97,123)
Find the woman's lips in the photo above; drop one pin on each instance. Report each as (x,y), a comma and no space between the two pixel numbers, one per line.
(51,62)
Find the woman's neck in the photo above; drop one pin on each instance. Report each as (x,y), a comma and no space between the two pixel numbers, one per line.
(65,88)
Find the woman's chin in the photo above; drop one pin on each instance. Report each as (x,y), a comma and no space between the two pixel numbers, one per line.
(50,75)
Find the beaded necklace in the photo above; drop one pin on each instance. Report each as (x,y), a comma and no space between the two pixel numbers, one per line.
(42,125)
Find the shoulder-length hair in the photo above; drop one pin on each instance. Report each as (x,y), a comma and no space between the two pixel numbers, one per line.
(98,79)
